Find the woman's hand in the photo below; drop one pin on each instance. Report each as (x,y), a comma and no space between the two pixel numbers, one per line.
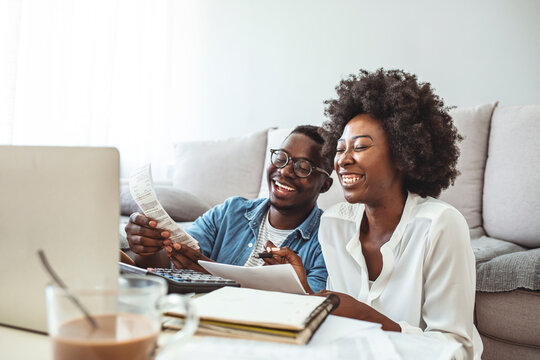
(354,309)
(284,255)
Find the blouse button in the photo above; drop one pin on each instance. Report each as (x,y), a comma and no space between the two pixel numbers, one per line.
(250,244)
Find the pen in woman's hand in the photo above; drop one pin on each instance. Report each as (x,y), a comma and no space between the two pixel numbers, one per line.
(268,253)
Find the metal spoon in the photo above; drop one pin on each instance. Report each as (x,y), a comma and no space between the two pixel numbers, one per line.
(61,284)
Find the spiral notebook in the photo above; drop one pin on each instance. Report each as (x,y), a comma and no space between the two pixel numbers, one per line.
(258,315)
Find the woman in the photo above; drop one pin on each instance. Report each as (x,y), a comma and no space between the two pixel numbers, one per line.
(396,255)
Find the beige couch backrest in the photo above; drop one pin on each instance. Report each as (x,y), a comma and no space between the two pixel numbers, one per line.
(215,170)
(473,124)
(501,149)
(512,178)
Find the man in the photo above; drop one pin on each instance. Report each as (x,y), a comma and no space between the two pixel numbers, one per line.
(236,231)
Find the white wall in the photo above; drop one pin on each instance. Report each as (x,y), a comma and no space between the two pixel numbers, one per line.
(250,64)
(143,74)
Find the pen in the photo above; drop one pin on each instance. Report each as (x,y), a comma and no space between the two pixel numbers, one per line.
(269,254)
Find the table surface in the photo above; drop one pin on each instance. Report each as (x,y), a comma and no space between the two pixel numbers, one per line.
(18,344)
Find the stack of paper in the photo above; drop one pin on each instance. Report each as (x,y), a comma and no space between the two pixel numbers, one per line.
(258,315)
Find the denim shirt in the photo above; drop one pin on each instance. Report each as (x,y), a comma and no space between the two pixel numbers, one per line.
(227,233)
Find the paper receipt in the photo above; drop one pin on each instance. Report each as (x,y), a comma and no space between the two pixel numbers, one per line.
(142,191)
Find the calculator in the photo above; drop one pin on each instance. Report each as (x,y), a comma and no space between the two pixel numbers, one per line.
(182,281)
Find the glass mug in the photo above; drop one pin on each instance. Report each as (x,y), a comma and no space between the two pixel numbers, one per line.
(127,315)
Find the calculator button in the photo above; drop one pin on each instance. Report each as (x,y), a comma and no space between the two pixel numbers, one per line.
(187,281)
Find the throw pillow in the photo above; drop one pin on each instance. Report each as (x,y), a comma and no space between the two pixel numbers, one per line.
(215,170)
(473,123)
(511,191)
(180,205)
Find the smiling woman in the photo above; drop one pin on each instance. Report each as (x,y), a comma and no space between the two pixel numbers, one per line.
(363,163)
(396,255)
(422,139)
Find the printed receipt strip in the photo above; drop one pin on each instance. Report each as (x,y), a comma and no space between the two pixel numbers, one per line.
(142,191)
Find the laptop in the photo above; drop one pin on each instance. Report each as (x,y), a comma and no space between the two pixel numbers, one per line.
(64,200)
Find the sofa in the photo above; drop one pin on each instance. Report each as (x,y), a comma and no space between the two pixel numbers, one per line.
(498,192)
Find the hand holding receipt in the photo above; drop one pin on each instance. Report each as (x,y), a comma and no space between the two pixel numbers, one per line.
(142,191)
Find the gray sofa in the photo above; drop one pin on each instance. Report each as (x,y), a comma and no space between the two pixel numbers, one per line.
(497,192)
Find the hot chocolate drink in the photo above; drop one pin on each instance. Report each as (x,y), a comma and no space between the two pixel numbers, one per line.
(117,337)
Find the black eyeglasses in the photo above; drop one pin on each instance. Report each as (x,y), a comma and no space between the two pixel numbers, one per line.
(302,168)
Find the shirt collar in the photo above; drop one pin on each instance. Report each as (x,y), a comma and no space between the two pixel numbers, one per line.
(306,228)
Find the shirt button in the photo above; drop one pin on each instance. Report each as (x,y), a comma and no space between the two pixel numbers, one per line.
(250,244)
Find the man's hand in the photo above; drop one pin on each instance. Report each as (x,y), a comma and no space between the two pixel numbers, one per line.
(143,237)
(184,257)
(284,255)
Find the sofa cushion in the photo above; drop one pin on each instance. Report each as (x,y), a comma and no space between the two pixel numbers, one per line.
(466,193)
(510,316)
(508,272)
(486,248)
(511,187)
(503,350)
(180,205)
(275,138)
(215,170)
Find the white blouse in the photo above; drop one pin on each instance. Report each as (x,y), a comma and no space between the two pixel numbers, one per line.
(427,283)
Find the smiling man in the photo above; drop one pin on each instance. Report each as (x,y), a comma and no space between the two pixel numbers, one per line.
(236,231)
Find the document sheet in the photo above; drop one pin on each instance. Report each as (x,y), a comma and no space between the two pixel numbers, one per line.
(142,191)
(280,277)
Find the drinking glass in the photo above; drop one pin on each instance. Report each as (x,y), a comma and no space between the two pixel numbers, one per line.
(127,313)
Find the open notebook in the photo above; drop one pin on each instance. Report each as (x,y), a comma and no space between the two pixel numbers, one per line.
(258,315)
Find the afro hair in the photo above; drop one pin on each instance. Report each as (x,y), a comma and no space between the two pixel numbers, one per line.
(422,137)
